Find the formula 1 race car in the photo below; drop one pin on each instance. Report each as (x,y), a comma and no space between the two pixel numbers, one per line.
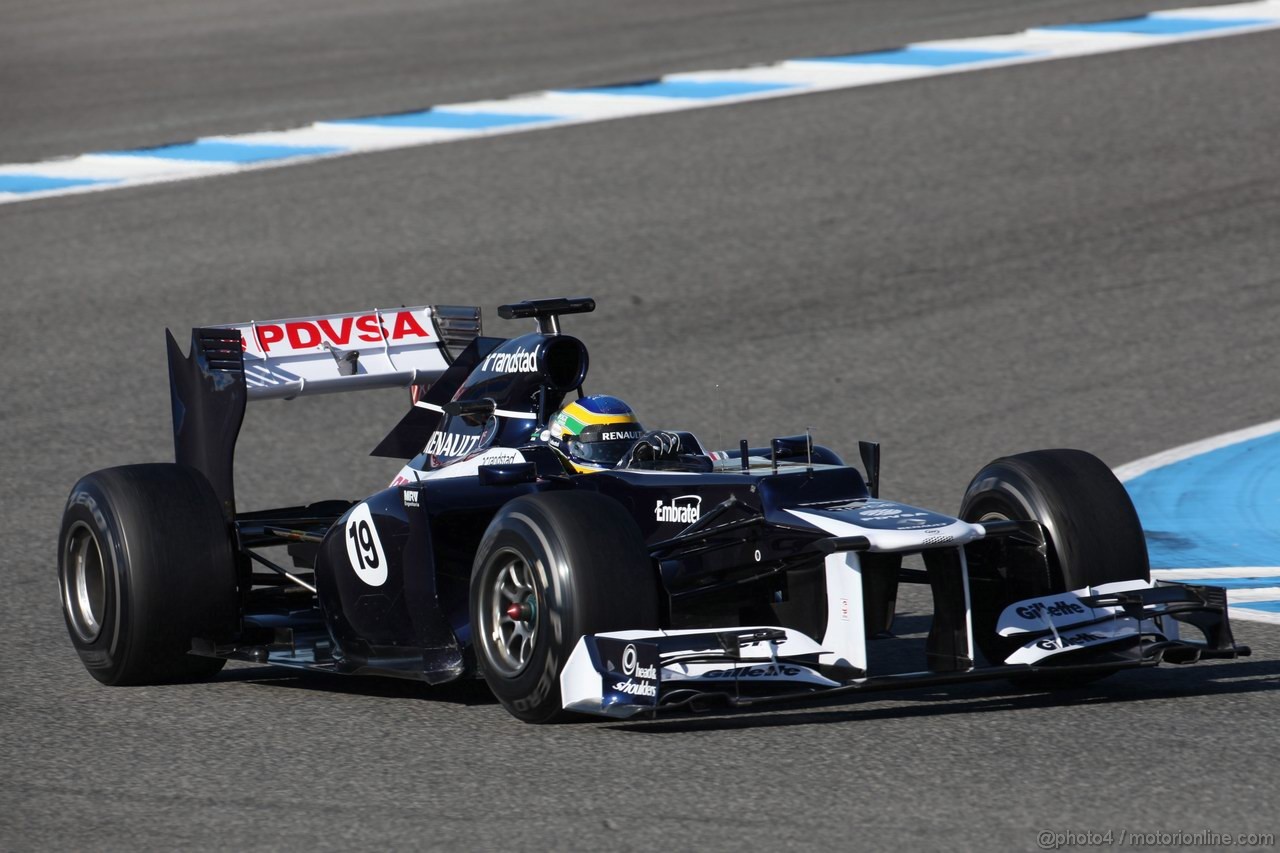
(692,578)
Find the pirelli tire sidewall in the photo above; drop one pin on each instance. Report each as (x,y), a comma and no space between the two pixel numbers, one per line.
(592,574)
(166,573)
(1093,532)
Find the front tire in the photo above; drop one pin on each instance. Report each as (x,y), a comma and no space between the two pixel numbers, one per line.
(1092,530)
(144,565)
(569,563)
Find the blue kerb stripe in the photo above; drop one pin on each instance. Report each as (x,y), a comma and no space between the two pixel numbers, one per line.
(1155,26)
(691,89)
(40,183)
(1267,606)
(933,57)
(225,152)
(1236,583)
(1215,509)
(445,120)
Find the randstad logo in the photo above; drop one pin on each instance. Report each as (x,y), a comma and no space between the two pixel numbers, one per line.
(517,361)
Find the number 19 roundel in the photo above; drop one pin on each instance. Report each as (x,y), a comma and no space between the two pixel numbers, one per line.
(364,549)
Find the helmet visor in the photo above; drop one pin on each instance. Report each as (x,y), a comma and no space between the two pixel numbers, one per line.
(606,453)
(604,444)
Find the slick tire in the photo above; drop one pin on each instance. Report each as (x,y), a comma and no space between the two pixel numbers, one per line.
(1093,532)
(145,564)
(572,563)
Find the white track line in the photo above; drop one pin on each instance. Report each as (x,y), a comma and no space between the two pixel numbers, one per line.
(1137,468)
(323,140)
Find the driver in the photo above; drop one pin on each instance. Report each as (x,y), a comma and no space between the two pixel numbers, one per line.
(594,433)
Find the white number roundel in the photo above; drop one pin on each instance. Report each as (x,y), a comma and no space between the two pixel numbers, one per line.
(364,549)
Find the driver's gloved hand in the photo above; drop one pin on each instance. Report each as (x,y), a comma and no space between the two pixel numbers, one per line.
(656,445)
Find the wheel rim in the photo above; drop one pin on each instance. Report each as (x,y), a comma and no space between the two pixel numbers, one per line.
(84,583)
(512,637)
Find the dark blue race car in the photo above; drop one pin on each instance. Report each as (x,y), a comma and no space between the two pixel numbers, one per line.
(540,538)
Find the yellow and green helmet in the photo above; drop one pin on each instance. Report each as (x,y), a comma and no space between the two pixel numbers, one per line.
(594,432)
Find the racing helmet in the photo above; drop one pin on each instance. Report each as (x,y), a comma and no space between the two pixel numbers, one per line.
(594,432)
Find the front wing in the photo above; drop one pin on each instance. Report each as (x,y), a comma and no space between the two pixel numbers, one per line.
(1101,629)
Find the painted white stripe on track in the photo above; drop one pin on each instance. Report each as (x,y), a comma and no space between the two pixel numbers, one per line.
(1236,11)
(1220,572)
(353,138)
(562,108)
(1139,467)
(104,167)
(1242,613)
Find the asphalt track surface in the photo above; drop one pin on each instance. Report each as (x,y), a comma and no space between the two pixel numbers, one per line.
(1079,253)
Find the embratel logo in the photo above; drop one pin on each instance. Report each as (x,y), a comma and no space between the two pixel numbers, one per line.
(685,509)
(517,361)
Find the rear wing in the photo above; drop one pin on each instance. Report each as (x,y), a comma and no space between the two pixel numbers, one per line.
(282,359)
(381,348)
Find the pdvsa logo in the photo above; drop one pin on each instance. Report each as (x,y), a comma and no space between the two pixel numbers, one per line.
(685,509)
(339,331)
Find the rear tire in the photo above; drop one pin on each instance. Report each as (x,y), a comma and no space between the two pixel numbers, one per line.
(577,563)
(145,564)
(1093,536)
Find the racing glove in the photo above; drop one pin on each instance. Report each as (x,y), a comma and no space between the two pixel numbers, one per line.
(656,445)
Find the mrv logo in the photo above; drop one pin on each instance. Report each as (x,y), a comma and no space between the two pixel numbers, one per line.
(1054,608)
(685,509)
(450,444)
(516,361)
